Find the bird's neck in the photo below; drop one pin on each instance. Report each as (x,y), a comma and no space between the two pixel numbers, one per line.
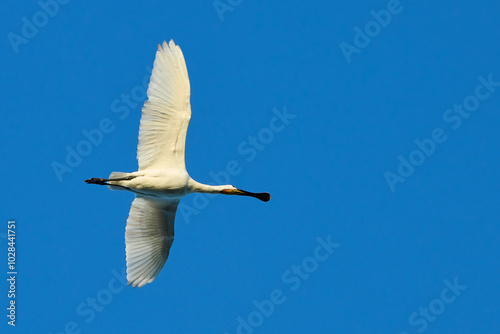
(197,187)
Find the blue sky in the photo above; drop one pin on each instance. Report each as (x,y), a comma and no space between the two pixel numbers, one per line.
(373,124)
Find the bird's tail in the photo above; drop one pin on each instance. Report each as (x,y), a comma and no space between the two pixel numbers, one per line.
(117,176)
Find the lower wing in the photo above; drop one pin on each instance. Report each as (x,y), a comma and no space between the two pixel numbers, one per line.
(148,238)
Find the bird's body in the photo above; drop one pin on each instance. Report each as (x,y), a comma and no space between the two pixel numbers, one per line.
(156,183)
(162,180)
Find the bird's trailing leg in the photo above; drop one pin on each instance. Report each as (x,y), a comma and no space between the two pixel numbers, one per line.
(103,182)
(97,180)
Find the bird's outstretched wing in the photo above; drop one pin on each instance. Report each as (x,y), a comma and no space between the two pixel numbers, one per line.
(148,238)
(166,113)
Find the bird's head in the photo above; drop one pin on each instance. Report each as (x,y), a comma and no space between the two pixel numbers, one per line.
(232,190)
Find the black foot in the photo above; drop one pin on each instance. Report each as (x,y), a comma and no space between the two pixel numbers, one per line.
(97,180)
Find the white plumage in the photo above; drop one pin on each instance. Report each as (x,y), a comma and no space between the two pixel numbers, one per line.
(148,238)
(162,179)
(166,113)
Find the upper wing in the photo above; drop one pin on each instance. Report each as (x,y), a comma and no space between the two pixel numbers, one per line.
(166,113)
(148,238)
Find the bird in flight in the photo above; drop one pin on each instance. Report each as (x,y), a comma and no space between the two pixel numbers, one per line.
(162,180)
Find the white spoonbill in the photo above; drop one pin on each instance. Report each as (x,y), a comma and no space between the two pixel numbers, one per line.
(162,179)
